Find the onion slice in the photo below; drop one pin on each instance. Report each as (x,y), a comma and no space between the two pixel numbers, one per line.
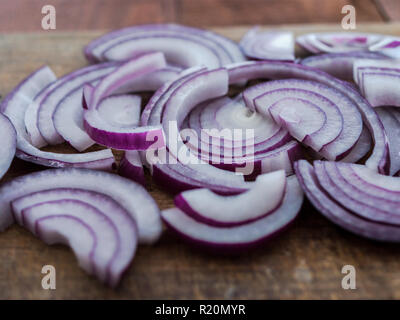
(265,196)
(239,237)
(268,45)
(339,126)
(78,203)
(182,46)
(379,158)
(378,81)
(389,46)
(392,128)
(14,107)
(130,195)
(338,41)
(9,143)
(131,167)
(336,213)
(339,65)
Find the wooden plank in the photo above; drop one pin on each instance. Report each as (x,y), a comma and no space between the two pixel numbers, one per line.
(390,9)
(303,263)
(22,15)
(233,12)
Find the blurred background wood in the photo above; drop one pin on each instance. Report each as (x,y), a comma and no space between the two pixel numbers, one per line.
(25,15)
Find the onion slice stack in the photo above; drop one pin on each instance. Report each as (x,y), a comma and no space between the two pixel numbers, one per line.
(317,115)
(9,143)
(120,133)
(228,135)
(379,158)
(268,45)
(206,206)
(239,237)
(379,81)
(354,197)
(101,232)
(183,46)
(130,195)
(14,107)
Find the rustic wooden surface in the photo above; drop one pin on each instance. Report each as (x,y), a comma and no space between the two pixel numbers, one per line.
(304,262)
(25,15)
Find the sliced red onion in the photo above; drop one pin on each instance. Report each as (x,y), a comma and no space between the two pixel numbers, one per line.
(131,196)
(105,232)
(392,128)
(182,46)
(125,75)
(205,85)
(280,158)
(343,123)
(378,160)
(268,45)
(265,196)
(338,41)
(367,207)
(336,213)
(64,87)
(151,81)
(14,107)
(31,208)
(68,121)
(226,113)
(239,237)
(361,149)
(131,167)
(380,88)
(339,65)
(9,143)
(73,232)
(389,46)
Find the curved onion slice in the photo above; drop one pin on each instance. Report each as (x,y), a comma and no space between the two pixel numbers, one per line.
(361,149)
(182,46)
(59,91)
(336,213)
(131,196)
(392,128)
(9,142)
(109,209)
(379,157)
(205,85)
(115,134)
(265,196)
(131,167)
(105,232)
(72,232)
(339,65)
(14,107)
(381,88)
(338,41)
(368,207)
(239,237)
(389,46)
(343,121)
(268,45)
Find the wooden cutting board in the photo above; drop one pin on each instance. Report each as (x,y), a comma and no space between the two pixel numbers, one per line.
(303,263)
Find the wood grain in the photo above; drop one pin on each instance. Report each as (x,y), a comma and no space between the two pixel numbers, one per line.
(25,15)
(303,263)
